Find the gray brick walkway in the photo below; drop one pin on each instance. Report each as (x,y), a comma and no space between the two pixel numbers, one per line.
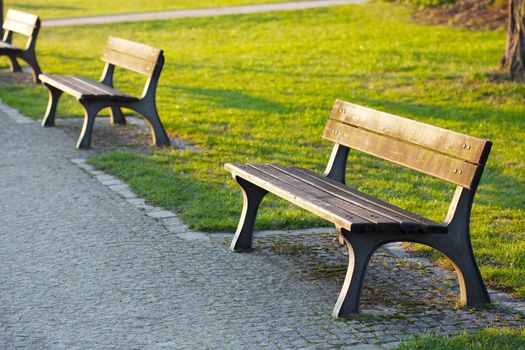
(205,12)
(82,266)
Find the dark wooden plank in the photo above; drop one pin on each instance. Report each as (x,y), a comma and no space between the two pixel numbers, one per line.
(408,222)
(312,204)
(371,202)
(381,222)
(442,166)
(471,149)
(83,88)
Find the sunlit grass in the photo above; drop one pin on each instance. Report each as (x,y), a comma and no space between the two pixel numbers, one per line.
(259,88)
(47,9)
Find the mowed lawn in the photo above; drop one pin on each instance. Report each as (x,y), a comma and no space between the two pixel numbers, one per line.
(259,88)
(66,8)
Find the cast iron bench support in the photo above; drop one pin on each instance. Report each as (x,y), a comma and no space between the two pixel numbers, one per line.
(365,223)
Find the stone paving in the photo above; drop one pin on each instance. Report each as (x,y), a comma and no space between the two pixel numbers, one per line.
(86,264)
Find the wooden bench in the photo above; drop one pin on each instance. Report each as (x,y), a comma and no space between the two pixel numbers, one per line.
(17,22)
(94,96)
(363,222)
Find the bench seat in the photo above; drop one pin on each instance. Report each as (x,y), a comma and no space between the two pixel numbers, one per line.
(85,89)
(346,207)
(6,47)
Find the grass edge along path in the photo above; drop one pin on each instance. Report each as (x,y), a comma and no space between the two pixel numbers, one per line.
(501,339)
(259,88)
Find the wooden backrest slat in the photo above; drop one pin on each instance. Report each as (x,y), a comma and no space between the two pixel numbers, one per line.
(134,56)
(448,168)
(20,22)
(471,149)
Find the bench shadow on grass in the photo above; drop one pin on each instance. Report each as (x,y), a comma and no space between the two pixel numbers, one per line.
(233,99)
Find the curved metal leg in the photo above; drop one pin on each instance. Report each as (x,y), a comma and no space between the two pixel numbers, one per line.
(91,110)
(54,96)
(30,58)
(149,111)
(13,64)
(252,196)
(360,249)
(116,116)
(472,289)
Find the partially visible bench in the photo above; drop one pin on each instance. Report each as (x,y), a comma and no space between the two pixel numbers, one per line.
(17,22)
(94,96)
(365,223)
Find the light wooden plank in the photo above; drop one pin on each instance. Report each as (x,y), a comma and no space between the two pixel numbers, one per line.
(17,27)
(312,204)
(132,48)
(442,166)
(132,63)
(21,17)
(449,142)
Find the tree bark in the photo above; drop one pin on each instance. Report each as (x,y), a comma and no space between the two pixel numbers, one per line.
(514,59)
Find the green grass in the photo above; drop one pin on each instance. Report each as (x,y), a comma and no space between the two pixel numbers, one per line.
(259,88)
(66,8)
(500,339)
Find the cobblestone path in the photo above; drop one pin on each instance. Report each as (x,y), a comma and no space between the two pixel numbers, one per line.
(83,267)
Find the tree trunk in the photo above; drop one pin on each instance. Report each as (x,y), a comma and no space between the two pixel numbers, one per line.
(514,59)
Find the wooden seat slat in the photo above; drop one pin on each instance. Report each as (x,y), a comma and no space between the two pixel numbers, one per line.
(381,222)
(409,221)
(9,47)
(301,199)
(84,88)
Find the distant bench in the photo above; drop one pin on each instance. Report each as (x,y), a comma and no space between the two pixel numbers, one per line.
(365,223)
(94,96)
(25,24)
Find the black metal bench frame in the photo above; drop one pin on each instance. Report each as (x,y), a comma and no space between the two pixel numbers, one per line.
(365,223)
(95,96)
(18,22)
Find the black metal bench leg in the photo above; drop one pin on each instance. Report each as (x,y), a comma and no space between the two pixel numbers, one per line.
(54,96)
(360,249)
(30,58)
(91,110)
(252,196)
(148,110)
(116,116)
(472,289)
(13,64)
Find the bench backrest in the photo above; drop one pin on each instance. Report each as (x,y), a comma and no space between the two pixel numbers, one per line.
(134,56)
(445,154)
(21,22)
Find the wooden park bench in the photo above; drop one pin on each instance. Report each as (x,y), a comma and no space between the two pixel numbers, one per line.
(17,22)
(96,95)
(365,223)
